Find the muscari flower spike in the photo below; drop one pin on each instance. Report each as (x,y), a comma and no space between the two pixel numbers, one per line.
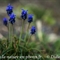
(30,18)
(33,30)
(24,14)
(12,18)
(9,9)
(5,22)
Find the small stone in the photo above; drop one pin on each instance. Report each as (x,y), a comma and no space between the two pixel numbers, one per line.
(1,36)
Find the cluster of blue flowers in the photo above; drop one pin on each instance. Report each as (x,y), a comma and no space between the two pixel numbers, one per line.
(9,10)
(29,17)
(24,16)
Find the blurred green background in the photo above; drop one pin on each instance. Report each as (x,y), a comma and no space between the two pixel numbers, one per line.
(46,15)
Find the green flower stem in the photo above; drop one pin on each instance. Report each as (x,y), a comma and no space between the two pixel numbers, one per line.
(21,31)
(10,34)
(27,32)
(28,39)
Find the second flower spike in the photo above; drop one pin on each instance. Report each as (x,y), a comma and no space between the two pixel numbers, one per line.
(30,18)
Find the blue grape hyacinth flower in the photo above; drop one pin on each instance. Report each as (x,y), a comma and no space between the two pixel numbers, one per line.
(24,14)
(33,30)
(30,18)
(9,9)
(12,18)
(5,22)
